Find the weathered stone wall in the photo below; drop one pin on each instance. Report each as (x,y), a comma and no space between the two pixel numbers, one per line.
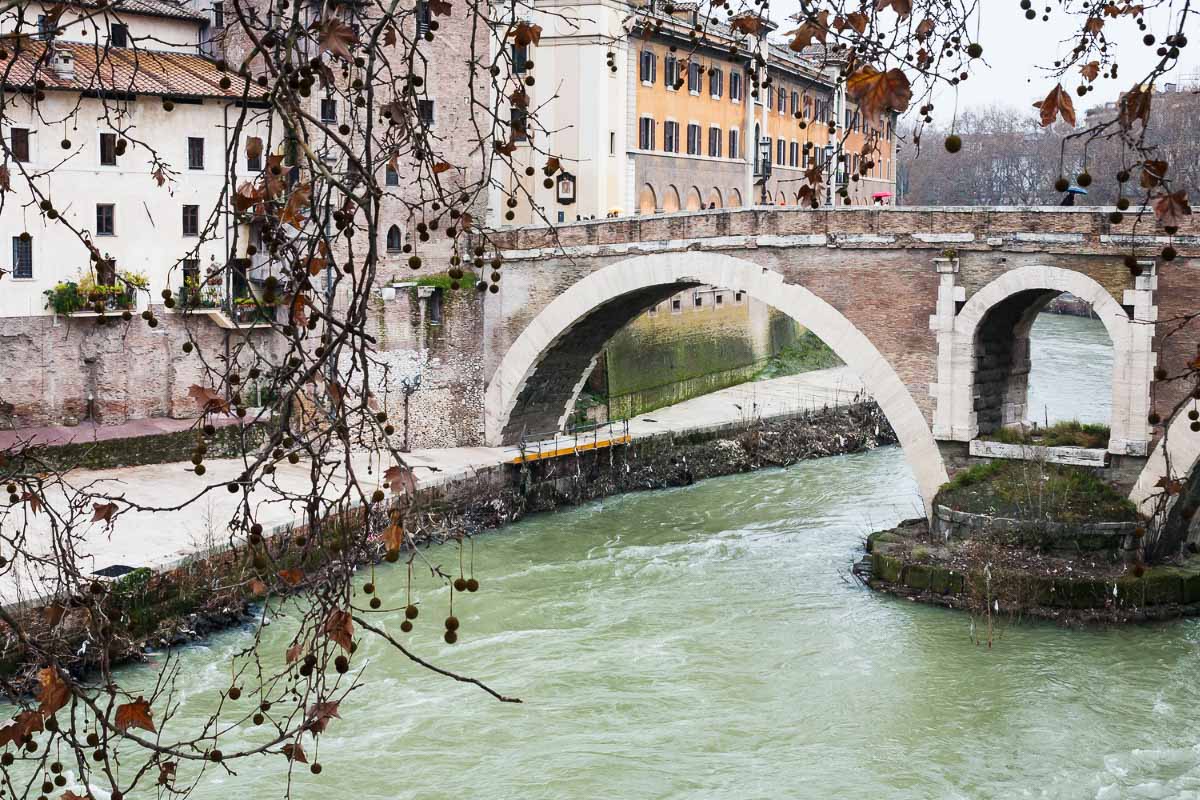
(52,364)
(442,346)
(667,356)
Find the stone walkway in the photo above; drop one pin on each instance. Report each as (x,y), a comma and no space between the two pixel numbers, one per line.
(162,538)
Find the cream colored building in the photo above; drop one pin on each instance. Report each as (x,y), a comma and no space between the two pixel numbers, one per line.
(647,118)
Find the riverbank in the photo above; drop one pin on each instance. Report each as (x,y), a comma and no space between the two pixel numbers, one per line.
(174,584)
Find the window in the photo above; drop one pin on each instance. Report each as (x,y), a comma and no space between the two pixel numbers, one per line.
(648,66)
(118,35)
(218,15)
(714,142)
(425,111)
(191,220)
(18,142)
(390,176)
(671,137)
(520,59)
(794,155)
(43,27)
(807,107)
(254,162)
(735,86)
(105,222)
(716,82)
(780,152)
(191,271)
(393,239)
(22,256)
(719,298)
(195,152)
(698,300)
(733,143)
(646,133)
(612,143)
(694,82)
(423,17)
(671,71)
(328,109)
(737,297)
(693,140)
(108,149)
(518,120)
(676,305)
(770,99)
(782,100)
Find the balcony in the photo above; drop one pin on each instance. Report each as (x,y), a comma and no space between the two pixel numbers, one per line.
(243,312)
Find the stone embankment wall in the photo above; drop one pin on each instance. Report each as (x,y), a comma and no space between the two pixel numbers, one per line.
(669,355)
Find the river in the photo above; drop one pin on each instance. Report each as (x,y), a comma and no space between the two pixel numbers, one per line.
(708,642)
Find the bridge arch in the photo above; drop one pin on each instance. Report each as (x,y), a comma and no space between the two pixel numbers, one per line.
(540,375)
(1010,304)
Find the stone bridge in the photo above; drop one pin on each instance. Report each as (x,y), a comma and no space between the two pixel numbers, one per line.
(931,306)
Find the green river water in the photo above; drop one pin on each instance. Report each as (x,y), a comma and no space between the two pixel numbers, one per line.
(708,642)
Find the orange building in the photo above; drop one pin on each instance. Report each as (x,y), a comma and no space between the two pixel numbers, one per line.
(657,111)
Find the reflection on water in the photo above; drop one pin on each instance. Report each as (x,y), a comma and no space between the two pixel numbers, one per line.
(706,642)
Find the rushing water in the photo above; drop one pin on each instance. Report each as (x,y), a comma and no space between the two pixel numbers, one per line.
(707,642)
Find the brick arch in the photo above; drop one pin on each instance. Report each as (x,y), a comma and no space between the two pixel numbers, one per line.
(540,375)
(1011,302)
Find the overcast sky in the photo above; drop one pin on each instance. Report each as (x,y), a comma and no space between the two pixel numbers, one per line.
(1014,48)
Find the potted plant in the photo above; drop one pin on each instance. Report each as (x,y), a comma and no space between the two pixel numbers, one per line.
(245,309)
(64,298)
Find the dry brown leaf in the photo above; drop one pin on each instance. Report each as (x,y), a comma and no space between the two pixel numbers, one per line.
(400,479)
(5,180)
(319,715)
(209,401)
(1171,208)
(294,652)
(135,715)
(440,8)
(335,36)
(1057,103)
(1090,71)
(746,24)
(258,588)
(103,511)
(33,499)
(1134,105)
(440,167)
(877,92)
(291,576)
(1153,173)
(53,692)
(815,28)
(389,36)
(393,536)
(295,752)
(525,33)
(1094,25)
(902,7)
(340,628)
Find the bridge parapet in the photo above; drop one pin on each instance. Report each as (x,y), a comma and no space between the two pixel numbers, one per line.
(1047,229)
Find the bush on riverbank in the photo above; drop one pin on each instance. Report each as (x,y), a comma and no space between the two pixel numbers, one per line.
(808,353)
(1072,433)
(1032,490)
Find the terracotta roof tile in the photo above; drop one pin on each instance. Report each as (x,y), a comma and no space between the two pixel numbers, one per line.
(155,8)
(130,70)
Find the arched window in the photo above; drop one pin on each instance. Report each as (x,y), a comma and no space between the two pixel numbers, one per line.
(393,239)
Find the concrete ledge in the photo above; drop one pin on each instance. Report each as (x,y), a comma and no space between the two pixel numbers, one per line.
(1076,456)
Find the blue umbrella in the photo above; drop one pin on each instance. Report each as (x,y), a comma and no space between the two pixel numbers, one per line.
(1076,190)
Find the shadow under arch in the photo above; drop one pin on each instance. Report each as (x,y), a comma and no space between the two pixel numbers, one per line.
(1027,289)
(540,375)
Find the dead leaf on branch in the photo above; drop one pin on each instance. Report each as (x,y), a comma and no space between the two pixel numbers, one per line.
(26,723)
(258,588)
(524,34)
(335,36)
(320,714)
(400,480)
(1090,71)
(877,92)
(135,715)
(1171,208)
(903,8)
(53,692)
(294,652)
(254,148)
(815,28)
(166,772)
(34,501)
(1134,105)
(925,28)
(393,536)
(210,402)
(339,627)
(103,512)
(440,8)
(1057,103)
(5,181)
(747,24)
(441,167)
(291,576)
(1153,173)
(295,752)
(1172,486)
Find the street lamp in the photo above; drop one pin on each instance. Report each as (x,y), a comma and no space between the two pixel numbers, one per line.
(763,167)
(832,174)
(409,387)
